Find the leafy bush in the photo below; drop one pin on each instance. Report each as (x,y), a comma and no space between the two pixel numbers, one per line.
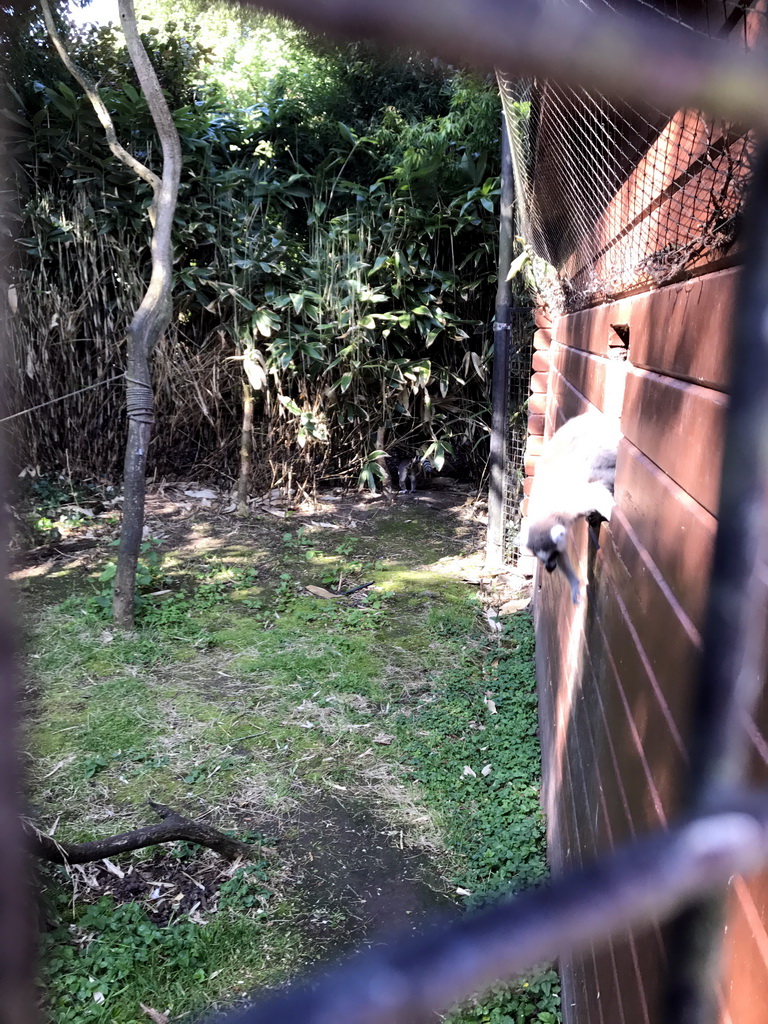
(335,243)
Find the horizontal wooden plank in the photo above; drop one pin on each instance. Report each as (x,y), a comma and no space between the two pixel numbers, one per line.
(679,426)
(652,635)
(686,137)
(684,329)
(584,371)
(647,772)
(591,329)
(646,237)
(565,401)
(677,531)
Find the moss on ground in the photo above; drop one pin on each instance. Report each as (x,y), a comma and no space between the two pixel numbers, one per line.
(242,698)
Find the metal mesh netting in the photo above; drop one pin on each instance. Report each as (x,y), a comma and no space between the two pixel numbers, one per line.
(616,197)
(521,350)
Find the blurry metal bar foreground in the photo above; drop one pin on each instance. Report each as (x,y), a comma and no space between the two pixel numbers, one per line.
(642,57)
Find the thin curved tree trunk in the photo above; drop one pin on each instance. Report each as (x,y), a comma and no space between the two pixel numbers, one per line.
(152,317)
(147,326)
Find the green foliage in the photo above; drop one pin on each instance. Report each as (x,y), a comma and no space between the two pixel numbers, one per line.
(247,889)
(100,960)
(92,955)
(243,710)
(535,1000)
(496,819)
(149,577)
(335,240)
(481,770)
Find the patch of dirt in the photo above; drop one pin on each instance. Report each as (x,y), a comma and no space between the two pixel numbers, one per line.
(357,880)
(353,876)
(166,885)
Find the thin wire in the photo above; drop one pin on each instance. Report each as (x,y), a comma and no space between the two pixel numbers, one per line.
(62,398)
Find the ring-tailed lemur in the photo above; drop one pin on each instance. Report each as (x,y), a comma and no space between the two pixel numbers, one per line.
(410,468)
(574,478)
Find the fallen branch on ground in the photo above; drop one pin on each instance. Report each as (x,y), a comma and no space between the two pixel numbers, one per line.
(174,826)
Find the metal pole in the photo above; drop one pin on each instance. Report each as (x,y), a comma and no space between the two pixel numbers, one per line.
(494,554)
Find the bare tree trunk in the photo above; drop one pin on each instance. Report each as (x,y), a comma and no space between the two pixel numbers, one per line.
(246,448)
(386,479)
(147,326)
(152,316)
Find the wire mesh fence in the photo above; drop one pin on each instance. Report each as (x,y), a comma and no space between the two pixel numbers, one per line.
(618,197)
(521,351)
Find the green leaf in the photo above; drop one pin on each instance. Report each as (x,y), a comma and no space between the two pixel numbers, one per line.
(263,323)
(346,133)
(289,404)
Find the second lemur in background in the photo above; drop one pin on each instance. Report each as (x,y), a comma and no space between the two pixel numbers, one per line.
(574,479)
(410,468)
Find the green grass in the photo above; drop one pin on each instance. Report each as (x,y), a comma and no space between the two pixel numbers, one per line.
(241,698)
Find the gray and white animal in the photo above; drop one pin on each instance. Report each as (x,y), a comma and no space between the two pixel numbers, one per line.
(574,478)
(410,468)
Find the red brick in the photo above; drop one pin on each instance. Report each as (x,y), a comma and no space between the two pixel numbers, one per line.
(539,383)
(542,317)
(534,445)
(536,424)
(537,404)
(542,339)
(541,360)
